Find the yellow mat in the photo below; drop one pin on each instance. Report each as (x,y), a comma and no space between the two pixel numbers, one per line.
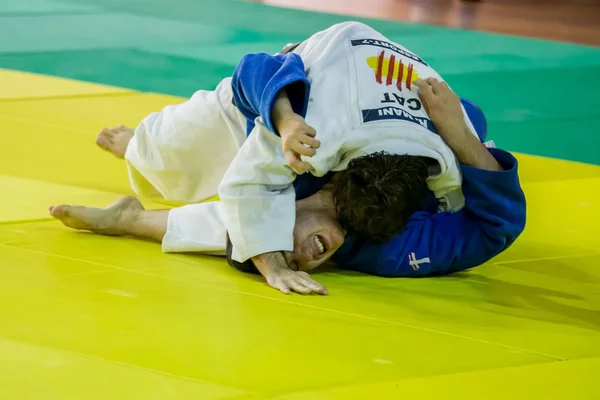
(17,85)
(92,317)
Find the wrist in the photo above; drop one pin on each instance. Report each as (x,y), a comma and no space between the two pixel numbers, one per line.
(465,146)
(268,263)
(282,109)
(472,153)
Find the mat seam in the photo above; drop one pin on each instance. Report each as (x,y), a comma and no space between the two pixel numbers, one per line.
(345,387)
(393,323)
(125,364)
(125,92)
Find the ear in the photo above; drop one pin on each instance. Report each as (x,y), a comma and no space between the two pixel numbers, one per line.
(334,178)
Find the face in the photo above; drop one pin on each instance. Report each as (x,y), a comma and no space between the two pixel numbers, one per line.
(317,234)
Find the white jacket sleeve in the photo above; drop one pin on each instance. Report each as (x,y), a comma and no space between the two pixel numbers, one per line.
(259,198)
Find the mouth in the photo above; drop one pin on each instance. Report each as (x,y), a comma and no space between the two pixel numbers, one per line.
(320,243)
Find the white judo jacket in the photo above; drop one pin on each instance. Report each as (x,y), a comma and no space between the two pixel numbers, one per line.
(363,100)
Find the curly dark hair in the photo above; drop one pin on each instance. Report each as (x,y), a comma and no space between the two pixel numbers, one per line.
(376,195)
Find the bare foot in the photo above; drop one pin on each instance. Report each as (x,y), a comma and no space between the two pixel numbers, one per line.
(115,140)
(115,220)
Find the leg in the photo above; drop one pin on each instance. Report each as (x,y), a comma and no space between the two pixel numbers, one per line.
(182,152)
(196,228)
(125,217)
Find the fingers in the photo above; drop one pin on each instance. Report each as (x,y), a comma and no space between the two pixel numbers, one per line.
(299,287)
(436,86)
(313,285)
(433,93)
(299,282)
(310,131)
(309,283)
(298,139)
(286,286)
(277,283)
(309,140)
(283,288)
(302,144)
(293,160)
(431,86)
(291,282)
(426,91)
(301,149)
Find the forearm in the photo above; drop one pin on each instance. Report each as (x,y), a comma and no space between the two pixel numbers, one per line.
(445,110)
(435,243)
(471,152)
(260,78)
(281,109)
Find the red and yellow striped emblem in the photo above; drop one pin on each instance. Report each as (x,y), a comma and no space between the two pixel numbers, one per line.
(392,70)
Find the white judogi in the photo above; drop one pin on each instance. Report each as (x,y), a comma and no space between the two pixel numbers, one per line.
(362,101)
(180,154)
(198,228)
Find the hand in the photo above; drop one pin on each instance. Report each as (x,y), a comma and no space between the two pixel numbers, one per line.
(297,138)
(286,280)
(445,110)
(274,267)
(443,107)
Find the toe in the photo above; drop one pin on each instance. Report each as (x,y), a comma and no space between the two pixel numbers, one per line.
(59,211)
(122,129)
(115,140)
(104,132)
(109,132)
(103,141)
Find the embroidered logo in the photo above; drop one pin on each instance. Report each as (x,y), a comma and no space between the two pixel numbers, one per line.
(391,70)
(416,264)
(389,46)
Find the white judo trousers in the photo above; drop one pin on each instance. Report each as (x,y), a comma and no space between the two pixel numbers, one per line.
(181,154)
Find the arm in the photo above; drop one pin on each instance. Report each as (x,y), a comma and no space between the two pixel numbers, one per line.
(257,189)
(437,243)
(440,243)
(276,89)
(258,80)
(259,197)
(260,211)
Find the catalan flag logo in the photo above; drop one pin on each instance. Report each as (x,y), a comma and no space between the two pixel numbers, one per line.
(392,71)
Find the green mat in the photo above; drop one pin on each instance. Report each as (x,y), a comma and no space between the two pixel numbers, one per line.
(540,97)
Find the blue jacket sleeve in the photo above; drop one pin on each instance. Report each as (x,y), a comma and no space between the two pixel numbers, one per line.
(442,243)
(259,78)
